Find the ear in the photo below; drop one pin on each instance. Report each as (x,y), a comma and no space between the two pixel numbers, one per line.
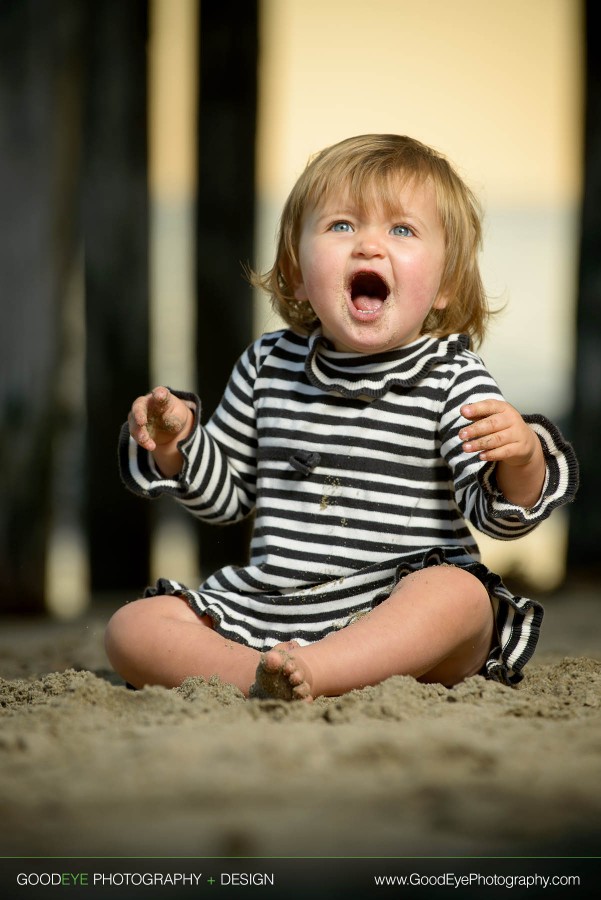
(300,292)
(442,300)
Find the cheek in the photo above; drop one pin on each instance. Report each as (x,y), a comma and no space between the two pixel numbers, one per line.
(426,277)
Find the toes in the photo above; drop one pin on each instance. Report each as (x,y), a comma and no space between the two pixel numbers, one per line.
(295,677)
(289,668)
(303,692)
(279,676)
(275,660)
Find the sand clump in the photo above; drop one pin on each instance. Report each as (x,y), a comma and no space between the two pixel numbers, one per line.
(89,767)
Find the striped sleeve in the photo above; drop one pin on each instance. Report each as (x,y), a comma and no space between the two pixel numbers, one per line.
(561,481)
(218,479)
(477,493)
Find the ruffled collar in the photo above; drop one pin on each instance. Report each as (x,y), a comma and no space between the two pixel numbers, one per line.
(357,374)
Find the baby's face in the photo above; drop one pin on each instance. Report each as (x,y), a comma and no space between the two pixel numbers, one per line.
(373,275)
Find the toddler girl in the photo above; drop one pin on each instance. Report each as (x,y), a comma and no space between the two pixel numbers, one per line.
(363,437)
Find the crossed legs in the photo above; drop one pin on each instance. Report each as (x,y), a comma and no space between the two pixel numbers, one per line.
(437,625)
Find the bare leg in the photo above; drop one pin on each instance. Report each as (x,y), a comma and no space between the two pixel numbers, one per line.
(160,640)
(437,626)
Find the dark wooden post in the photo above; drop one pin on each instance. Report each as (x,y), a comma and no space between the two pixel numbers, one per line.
(115,219)
(584,550)
(40,75)
(225,217)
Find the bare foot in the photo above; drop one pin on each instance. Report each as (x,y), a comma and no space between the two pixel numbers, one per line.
(288,645)
(282,676)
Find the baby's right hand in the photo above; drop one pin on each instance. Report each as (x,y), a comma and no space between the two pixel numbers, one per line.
(159,418)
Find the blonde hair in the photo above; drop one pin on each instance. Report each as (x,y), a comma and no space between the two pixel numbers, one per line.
(371,168)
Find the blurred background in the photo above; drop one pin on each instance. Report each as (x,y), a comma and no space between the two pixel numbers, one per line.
(146,149)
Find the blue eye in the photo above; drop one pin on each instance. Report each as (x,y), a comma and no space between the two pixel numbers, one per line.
(401,231)
(341,227)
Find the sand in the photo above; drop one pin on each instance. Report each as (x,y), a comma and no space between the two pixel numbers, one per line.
(90,768)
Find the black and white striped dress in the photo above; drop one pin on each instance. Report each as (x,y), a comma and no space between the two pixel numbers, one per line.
(355,471)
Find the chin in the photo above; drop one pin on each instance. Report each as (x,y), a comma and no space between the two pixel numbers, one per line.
(367,345)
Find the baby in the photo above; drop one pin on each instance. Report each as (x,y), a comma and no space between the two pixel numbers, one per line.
(364,437)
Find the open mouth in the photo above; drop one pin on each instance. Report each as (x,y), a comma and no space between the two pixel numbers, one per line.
(368,292)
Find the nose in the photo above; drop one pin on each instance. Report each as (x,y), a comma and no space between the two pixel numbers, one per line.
(368,244)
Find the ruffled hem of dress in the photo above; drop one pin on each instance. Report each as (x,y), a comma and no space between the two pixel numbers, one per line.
(168,588)
(202,603)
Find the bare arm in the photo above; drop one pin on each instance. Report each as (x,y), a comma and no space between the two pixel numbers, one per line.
(158,422)
(499,434)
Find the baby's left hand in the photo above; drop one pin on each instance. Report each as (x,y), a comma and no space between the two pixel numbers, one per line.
(498,432)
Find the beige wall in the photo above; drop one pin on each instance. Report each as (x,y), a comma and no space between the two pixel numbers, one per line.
(495,84)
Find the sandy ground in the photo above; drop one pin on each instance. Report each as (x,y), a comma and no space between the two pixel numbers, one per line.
(89,768)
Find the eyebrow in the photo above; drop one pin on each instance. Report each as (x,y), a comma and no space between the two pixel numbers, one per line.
(326,212)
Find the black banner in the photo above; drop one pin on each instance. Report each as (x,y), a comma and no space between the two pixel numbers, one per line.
(293,879)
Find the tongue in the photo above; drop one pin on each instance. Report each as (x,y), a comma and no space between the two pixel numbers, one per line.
(367,304)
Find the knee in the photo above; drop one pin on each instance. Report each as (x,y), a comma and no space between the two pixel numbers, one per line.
(473,600)
(475,619)
(462,585)
(457,591)
(473,593)
(119,632)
